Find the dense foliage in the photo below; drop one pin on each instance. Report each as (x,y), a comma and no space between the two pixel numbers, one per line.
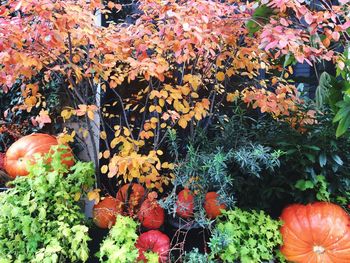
(245,236)
(40,215)
(267,163)
(175,66)
(119,246)
(180,97)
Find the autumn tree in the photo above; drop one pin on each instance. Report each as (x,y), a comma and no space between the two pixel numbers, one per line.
(177,67)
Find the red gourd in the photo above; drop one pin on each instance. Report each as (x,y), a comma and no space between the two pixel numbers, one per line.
(23,150)
(105,212)
(154,241)
(151,214)
(185,204)
(317,233)
(212,206)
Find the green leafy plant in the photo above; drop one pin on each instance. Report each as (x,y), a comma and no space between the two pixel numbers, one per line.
(151,257)
(40,215)
(119,246)
(334,91)
(246,236)
(315,151)
(253,158)
(194,256)
(320,185)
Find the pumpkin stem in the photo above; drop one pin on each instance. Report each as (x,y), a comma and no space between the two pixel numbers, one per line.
(319,249)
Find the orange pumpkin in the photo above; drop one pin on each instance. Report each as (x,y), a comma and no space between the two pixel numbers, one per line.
(131,195)
(23,150)
(153,241)
(317,233)
(105,212)
(185,204)
(212,206)
(151,214)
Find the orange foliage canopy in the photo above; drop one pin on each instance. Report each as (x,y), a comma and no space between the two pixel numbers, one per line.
(193,56)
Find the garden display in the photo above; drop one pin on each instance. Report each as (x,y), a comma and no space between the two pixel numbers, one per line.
(196,131)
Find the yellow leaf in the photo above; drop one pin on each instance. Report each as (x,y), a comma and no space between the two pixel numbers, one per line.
(77,196)
(126,131)
(194,95)
(230,72)
(114,142)
(161,102)
(220,76)
(94,195)
(91,115)
(185,90)
(163,125)
(154,120)
(158,109)
(85,133)
(104,169)
(152,108)
(182,122)
(165,165)
(160,152)
(106,154)
(232,96)
(66,114)
(178,105)
(103,135)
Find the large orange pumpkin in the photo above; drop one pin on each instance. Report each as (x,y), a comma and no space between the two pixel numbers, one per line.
(105,212)
(212,206)
(131,196)
(185,204)
(23,150)
(317,233)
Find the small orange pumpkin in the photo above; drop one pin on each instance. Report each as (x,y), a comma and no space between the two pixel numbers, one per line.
(212,206)
(317,233)
(105,212)
(23,150)
(131,195)
(151,214)
(185,204)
